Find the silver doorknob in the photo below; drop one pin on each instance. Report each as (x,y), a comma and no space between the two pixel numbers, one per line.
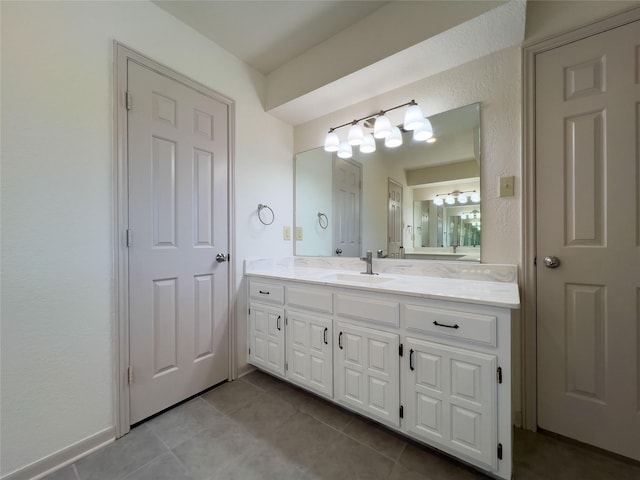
(221,257)
(551,262)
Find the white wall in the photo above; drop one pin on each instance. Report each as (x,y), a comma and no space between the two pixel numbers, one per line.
(58,204)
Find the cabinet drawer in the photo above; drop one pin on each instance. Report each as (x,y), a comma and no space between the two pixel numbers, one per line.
(368,308)
(470,327)
(270,292)
(310,298)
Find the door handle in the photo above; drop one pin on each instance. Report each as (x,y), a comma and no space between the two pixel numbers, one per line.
(340,340)
(551,262)
(326,329)
(278,322)
(411,367)
(221,257)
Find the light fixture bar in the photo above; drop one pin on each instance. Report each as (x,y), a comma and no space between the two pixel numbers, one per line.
(381,112)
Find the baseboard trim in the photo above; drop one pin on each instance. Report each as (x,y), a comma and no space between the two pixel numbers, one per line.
(64,457)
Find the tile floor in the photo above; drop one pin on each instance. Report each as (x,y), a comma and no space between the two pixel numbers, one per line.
(261,428)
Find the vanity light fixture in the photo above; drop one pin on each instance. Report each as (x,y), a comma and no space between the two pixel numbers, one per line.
(414,120)
(345,150)
(456,196)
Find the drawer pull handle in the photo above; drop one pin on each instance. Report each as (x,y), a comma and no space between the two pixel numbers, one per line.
(411,367)
(326,329)
(445,325)
(340,340)
(264,292)
(278,322)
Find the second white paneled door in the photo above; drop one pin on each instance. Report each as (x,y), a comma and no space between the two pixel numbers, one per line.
(178,209)
(588,167)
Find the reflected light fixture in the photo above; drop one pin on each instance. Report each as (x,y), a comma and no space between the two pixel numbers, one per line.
(394,139)
(368,144)
(456,196)
(345,150)
(382,129)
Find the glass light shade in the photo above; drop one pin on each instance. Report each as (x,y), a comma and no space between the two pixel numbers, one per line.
(413,118)
(395,139)
(424,132)
(432,140)
(449,200)
(356,135)
(345,150)
(462,198)
(475,198)
(331,142)
(368,144)
(382,127)
(463,216)
(438,201)
(478,215)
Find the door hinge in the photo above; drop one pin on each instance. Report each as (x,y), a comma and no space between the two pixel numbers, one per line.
(130,375)
(286,320)
(129,237)
(286,366)
(128,100)
(499,451)
(499,374)
(249,311)
(401,411)
(535,261)
(249,350)
(401,350)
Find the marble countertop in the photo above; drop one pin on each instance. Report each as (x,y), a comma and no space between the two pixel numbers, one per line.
(486,288)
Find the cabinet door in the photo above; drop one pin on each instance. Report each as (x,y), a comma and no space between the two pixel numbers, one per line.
(266,337)
(309,352)
(367,371)
(450,399)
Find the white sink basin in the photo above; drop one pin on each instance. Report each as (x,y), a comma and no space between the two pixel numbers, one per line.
(355,278)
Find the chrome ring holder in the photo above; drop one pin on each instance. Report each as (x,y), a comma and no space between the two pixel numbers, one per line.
(323,224)
(262,207)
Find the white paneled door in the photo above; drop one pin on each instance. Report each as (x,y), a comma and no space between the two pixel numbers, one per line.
(347,188)
(394,219)
(178,209)
(588,245)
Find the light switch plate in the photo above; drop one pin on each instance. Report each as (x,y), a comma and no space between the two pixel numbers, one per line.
(299,233)
(286,233)
(506,186)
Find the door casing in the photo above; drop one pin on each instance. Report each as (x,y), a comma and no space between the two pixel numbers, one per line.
(529,231)
(121,221)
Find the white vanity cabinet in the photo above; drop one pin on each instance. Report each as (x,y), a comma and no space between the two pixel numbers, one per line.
(435,370)
(367,375)
(266,326)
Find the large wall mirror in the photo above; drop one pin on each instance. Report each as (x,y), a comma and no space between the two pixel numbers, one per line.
(420,200)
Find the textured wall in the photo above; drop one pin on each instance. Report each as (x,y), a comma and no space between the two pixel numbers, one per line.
(58,204)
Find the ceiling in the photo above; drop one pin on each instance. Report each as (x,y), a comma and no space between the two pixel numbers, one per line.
(319,56)
(268,34)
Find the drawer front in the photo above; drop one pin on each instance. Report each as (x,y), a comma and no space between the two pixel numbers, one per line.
(466,326)
(310,298)
(268,292)
(368,308)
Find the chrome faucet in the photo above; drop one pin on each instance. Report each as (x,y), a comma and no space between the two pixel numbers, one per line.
(369,260)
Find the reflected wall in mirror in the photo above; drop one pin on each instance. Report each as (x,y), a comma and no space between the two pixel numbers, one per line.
(420,200)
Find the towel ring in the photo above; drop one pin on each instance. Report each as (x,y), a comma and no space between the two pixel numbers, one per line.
(323,224)
(262,207)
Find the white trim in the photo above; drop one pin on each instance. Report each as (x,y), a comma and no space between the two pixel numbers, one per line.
(68,455)
(121,288)
(529,294)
